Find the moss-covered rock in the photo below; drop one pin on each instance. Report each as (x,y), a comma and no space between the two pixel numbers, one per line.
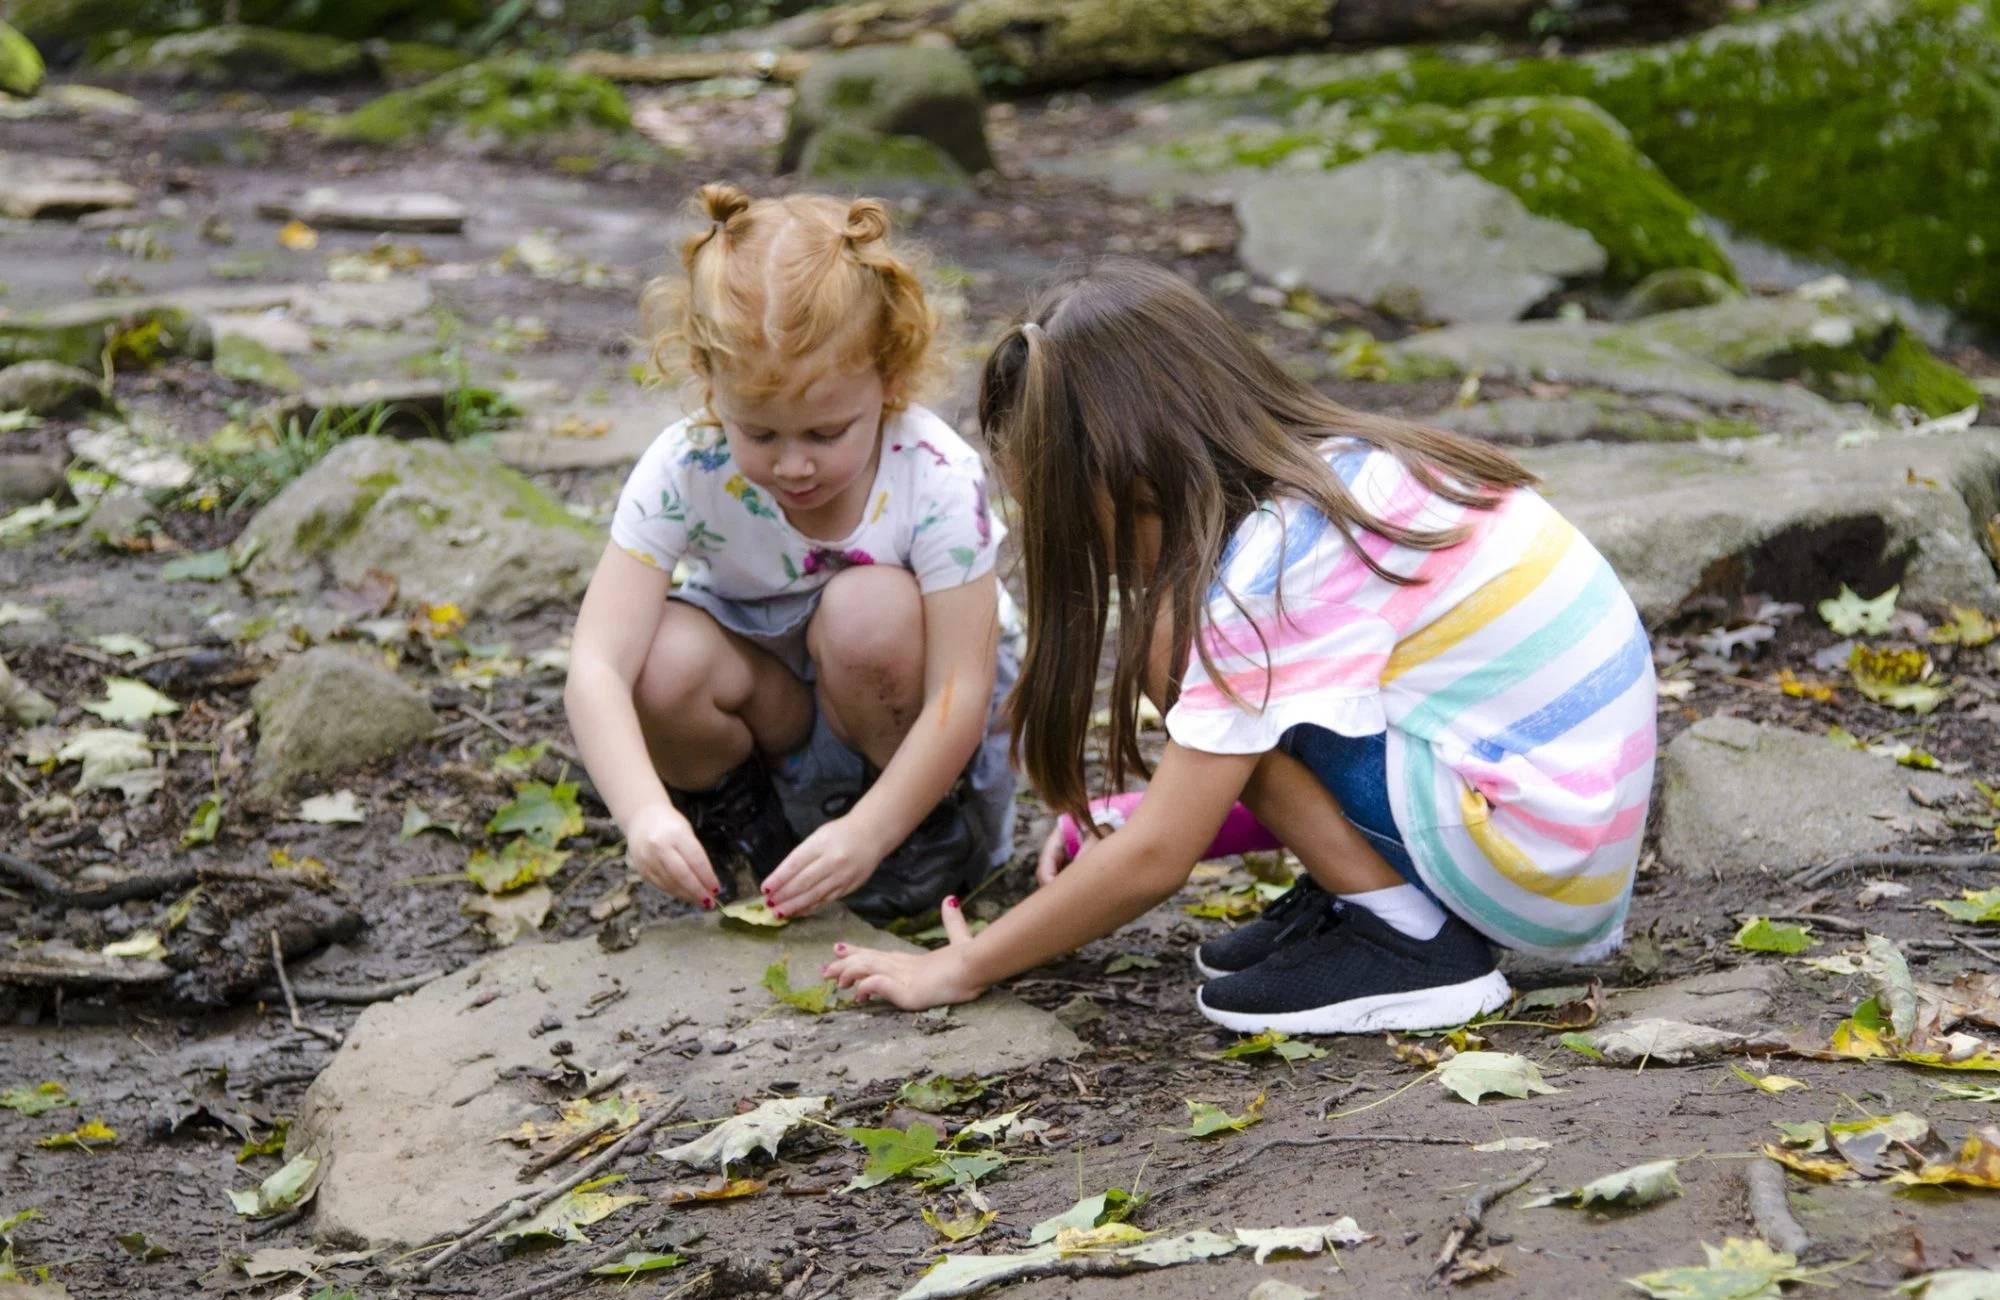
(404,63)
(1045,42)
(1675,289)
(1833,343)
(506,100)
(20,63)
(848,157)
(327,711)
(1591,413)
(49,388)
(1565,159)
(1861,131)
(925,92)
(72,24)
(239,55)
(136,331)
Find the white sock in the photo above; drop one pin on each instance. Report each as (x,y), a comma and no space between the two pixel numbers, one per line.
(1403,908)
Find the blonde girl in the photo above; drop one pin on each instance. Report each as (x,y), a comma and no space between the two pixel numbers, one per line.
(829,666)
(1376,636)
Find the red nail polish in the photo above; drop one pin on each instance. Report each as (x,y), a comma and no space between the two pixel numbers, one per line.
(840,947)
(707,904)
(952,902)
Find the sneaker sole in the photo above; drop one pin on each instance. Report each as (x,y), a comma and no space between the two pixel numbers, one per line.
(1435,1008)
(1207,971)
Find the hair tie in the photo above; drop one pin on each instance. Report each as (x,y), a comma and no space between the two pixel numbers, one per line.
(1031,327)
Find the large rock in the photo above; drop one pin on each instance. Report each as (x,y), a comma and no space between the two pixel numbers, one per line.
(922,91)
(1603,416)
(76,334)
(326,711)
(38,185)
(1741,998)
(326,207)
(849,158)
(1861,132)
(451,526)
(30,476)
(49,388)
(69,24)
(1565,159)
(20,63)
(1790,519)
(1415,234)
(410,1114)
(238,55)
(507,101)
(1740,798)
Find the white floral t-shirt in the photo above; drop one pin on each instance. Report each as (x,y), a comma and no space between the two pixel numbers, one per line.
(687,504)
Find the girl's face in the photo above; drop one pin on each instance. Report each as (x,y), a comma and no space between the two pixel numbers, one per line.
(814,449)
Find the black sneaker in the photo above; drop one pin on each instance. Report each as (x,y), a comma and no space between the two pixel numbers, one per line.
(1355,974)
(739,820)
(944,855)
(1254,940)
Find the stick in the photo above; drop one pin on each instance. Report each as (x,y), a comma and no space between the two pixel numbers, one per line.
(1811,876)
(1771,1211)
(556,747)
(1223,1171)
(581,1271)
(51,887)
(1472,1218)
(265,1227)
(362,994)
(522,1208)
(542,1164)
(1979,949)
(278,964)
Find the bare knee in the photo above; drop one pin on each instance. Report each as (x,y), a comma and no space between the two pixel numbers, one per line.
(870,629)
(679,676)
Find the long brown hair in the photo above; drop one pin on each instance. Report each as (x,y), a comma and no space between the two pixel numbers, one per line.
(1125,389)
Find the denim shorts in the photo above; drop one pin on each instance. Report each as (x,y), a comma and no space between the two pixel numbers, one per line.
(1355,771)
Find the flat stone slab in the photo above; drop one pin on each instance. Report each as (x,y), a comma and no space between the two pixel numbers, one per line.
(36,187)
(416,213)
(1738,796)
(1739,999)
(409,1114)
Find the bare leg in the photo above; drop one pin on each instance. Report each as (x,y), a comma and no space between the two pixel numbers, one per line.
(867,644)
(707,699)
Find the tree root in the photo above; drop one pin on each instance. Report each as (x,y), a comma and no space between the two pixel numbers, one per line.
(51,888)
(1819,875)
(1771,1211)
(1471,1220)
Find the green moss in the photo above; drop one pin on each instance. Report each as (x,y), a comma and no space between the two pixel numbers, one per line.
(1043,42)
(509,98)
(20,63)
(1563,158)
(77,334)
(404,62)
(1861,131)
(1906,374)
(851,156)
(238,356)
(239,56)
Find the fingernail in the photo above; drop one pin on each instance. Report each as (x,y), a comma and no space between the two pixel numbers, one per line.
(840,947)
(951,902)
(707,904)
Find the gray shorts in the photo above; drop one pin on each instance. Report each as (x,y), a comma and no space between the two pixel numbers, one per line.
(822,778)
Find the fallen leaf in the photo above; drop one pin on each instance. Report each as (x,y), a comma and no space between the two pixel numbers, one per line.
(964,1275)
(1771,1084)
(298,237)
(1877,890)
(126,699)
(722,1189)
(1124,961)
(1568,1006)
(1961,1091)
(1979,906)
(962,1227)
(38,1100)
(519,761)
(1864,1143)
(1001,1128)
(271,1144)
(506,917)
(1977,1164)
(753,912)
(1738,1270)
(1627,1189)
(1271,1043)
(1849,615)
(940,1093)
(342,807)
(1897,678)
(1806,688)
(1666,1042)
(1825,1168)
(299,1261)
(416,821)
(634,1262)
(815,1000)
(1206,1119)
(293,1184)
(520,863)
(892,1152)
(143,1248)
(93,1133)
(141,943)
(1760,935)
(1266,1242)
(1081,1241)
(1515,1144)
(122,643)
(205,822)
(1113,1205)
(580,1115)
(112,758)
(1473,1075)
(1968,627)
(1954,1284)
(546,814)
(10,612)
(736,1137)
(202,566)
(565,1218)
(1582,1044)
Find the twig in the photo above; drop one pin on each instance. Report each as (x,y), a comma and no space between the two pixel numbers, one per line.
(523,1207)
(1223,1171)
(1471,1219)
(577,1273)
(556,747)
(542,1164)
(1812,876)
(1839,923)
(1770,1210)
(1980,949)
(362,994)
(285,983)
(47,885)
(265,1227)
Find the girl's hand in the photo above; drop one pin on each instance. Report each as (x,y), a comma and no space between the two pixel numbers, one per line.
(664,850)
(1055,855)
(830,864)
(914,981)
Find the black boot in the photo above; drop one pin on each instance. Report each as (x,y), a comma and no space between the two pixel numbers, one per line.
(943,856)
(739,820)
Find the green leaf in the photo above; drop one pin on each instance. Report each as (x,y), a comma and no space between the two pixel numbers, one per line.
(952,1168)
(291,1185)
(1001,1128)
(565,1218)
(1124,961)
(1473,1075)
(739,1135)
(416,821)
(271,1144)
(1738,1270)
(1582,1044)
(1962,1091)
(15,1220)
(94,1133)
(940,1093)
(207,820)
(38,1100)
(1807,1135)
(126,699)
(754,912)
(546,814)
(816,1000)
(1627,1189)
(634,1262)
(1207,1120)
(122,643)
(1895,990)
(892,1152)
(1113,1205)
(1760,935)
(341,808)
(520,761)
(142,1248)
(140,943)
(1271,1043)
(520,863)
(203,566)
(1849,615)
(1977,905)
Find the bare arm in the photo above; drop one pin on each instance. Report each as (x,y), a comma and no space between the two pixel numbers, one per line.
(1133,869)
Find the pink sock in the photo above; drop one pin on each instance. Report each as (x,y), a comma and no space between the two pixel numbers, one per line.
(1241,831)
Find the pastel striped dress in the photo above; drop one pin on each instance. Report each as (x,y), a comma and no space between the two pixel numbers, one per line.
(1515,683)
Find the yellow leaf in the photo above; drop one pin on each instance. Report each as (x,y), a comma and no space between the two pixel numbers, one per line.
(722,1189)
(962,1228)
(442,620)
(1977,1164)
(95,1133)
(1769,1083)
(298,236)
(1803,688)
(1075,1241)
(143,943)
(1825,1168)
(1852,1038)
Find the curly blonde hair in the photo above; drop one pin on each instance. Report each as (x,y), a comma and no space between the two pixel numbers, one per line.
(770,282)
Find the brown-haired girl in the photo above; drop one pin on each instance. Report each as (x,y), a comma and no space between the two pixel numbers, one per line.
(1376,636)
(833,659)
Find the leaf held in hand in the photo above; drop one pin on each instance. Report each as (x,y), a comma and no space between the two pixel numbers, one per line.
(1473,1075)
(1627,1189)
(753,912)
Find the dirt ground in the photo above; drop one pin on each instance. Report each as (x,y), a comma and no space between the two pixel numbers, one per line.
(173,1079)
